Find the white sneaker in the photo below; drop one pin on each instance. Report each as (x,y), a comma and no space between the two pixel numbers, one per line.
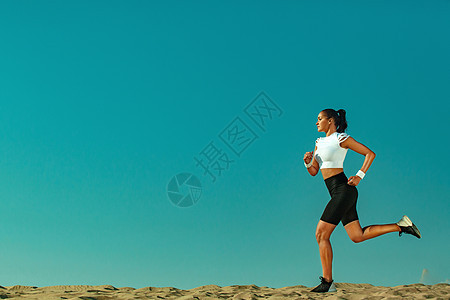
(408,227)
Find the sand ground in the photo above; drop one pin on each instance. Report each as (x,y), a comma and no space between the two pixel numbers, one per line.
(348,291)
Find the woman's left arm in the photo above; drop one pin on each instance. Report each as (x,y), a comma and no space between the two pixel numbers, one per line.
(351,143)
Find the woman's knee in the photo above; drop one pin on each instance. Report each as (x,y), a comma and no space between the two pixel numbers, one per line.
(354,231)
(324,230)
(322,235)
(357,238)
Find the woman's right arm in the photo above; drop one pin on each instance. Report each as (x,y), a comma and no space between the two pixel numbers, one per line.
(314,169)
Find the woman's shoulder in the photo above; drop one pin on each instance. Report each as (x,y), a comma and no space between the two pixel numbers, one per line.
(342,136)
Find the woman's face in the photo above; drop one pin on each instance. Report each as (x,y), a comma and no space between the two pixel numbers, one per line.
(322,122)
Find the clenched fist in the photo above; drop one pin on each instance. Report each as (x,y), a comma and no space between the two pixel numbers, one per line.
(308,157)
(353,180)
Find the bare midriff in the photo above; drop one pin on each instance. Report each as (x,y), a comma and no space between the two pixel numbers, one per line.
(328,172)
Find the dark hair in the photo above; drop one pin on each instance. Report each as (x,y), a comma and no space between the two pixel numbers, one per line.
(339,118)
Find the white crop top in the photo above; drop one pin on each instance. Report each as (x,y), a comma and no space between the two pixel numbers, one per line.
(329,153)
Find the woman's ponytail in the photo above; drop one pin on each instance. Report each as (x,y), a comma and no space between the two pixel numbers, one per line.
(339,118)
(342,122)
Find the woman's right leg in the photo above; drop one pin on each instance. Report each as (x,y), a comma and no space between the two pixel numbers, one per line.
(358,234)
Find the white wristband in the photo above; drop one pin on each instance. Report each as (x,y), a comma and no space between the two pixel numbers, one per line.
(361,174)
(308,165)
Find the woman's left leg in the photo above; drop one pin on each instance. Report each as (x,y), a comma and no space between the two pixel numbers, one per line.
(323,233)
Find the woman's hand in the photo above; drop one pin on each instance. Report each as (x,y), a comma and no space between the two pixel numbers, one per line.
(308,157)
(353,180)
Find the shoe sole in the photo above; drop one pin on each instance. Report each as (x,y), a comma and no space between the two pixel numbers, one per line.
(405,221)
(416,230)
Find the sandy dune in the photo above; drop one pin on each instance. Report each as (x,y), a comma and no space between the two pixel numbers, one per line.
(345,291)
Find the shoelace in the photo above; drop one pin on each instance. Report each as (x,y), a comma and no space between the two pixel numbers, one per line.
(323,280)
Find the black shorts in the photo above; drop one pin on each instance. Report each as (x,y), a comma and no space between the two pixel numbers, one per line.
(342,206)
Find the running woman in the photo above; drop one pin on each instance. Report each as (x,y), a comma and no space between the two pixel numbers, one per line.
(329,155)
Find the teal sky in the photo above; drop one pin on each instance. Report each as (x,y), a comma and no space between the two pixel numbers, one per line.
(103,102)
